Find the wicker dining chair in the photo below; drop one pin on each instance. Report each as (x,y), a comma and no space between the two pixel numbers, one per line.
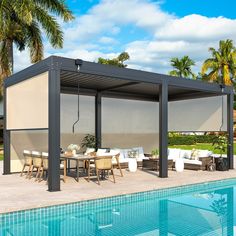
(44,167)
(28,162)
(103,163)
(37,163)
(117,157)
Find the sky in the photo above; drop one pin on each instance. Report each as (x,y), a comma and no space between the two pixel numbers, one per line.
(151,31)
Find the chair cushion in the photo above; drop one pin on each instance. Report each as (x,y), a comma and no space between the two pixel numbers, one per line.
(45,154)
(27,152)
(101,151)
(89,150)
(114,152)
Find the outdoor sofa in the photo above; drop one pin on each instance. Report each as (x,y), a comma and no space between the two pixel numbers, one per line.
(193,159)
(124,155)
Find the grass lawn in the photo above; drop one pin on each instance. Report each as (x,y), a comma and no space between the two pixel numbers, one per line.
(1,157)
(207,146)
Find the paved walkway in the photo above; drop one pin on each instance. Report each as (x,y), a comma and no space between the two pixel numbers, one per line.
(18,193)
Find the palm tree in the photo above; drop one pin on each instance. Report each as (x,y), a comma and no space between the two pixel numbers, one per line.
(182,67)
(222,64)
(21,22)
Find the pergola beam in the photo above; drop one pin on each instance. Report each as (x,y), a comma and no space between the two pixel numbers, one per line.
(163,130)
(54,132)
(98,119)
(230,120)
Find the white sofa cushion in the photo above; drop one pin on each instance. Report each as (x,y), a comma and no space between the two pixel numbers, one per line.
(195,162)
(204,153)
(186,154)
(173,153)
(140,153)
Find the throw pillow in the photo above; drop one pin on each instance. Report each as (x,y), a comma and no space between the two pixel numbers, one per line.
(195,155)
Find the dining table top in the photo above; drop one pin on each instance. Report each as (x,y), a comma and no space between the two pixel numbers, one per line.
(81,157)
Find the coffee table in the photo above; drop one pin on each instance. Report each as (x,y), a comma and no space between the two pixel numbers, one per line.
(153,164)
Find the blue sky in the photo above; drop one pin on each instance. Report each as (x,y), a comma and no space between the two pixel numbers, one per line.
(178,7)
(150,31)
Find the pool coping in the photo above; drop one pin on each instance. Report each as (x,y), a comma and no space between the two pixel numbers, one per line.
(160,193)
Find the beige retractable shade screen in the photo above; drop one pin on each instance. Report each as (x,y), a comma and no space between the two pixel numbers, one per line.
(204,114)
(27,104)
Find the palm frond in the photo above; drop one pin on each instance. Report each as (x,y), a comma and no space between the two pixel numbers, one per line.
(51,27)
(57,7)
(34,42)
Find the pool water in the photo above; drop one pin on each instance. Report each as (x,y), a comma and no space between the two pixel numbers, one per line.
(201,209)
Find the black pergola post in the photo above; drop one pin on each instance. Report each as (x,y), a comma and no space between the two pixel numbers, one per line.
(163,129)
(7,141)
(98,119)
(54,127)
(230,118)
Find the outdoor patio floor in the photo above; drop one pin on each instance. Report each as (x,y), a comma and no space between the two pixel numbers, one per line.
(18,193)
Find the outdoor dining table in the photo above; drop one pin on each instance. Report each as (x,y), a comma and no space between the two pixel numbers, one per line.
(76,158)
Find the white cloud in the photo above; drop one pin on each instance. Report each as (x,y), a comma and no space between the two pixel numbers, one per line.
(109,15)
(107,40)
(197,28)
(99,31)
(21,60)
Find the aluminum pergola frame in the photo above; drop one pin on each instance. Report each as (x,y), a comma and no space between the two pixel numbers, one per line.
(56,66)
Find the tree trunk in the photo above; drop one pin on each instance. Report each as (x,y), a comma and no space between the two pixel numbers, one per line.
(10,55)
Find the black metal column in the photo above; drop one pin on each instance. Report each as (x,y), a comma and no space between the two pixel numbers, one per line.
(54,127)
(163,130)
(98,119)
(6,141)
(230,124)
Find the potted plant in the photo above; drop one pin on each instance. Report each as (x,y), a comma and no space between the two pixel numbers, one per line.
(220,143)
(89,141)
(155,153)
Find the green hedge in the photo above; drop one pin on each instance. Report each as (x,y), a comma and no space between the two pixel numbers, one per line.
(190,139)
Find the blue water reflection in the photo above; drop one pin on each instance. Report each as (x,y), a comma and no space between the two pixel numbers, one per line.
(199,213)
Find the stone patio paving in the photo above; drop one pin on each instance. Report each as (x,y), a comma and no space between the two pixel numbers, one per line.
(18,193)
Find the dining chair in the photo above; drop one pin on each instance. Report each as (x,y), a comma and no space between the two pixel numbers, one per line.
(102,164)
(44,167)
(28,162)
(117,163)
(37,163)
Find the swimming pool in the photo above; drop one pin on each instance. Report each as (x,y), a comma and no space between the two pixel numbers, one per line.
(201,209)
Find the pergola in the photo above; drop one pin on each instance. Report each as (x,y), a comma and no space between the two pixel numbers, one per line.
(38,88)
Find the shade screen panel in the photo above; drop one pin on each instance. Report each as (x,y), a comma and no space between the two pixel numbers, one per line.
(130,123)
(204,114)
(27,104)
(69,115)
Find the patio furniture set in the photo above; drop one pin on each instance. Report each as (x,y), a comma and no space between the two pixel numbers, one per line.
(93,161)
(106,160)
